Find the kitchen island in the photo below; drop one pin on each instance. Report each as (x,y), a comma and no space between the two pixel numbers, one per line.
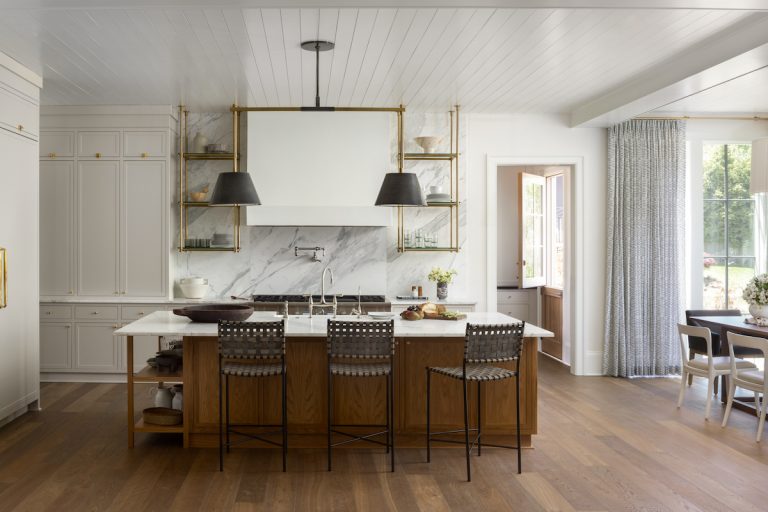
(356,401)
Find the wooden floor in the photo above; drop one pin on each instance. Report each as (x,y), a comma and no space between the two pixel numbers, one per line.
(604,444)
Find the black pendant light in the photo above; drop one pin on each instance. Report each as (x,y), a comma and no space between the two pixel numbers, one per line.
(234,189)
(400,189)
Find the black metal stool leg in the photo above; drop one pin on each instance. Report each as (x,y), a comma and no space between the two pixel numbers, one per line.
(391,425)
(429,437)
(466,429)
(388,417)
(285,422)
(479,421)
(517,412)
(221,425)
(330,413)
(226,392)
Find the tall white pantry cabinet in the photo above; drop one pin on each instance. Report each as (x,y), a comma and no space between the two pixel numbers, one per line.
(19,320)
(105,220)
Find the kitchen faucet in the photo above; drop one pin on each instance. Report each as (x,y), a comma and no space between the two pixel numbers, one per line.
(323,303)
(327,269)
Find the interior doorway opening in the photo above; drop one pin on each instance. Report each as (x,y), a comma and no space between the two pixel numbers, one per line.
(532,263)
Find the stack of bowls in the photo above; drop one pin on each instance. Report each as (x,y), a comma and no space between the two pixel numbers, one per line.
(193,287)
(222,240)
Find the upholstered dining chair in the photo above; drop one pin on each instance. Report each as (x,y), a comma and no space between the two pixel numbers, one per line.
(697,345)
(751,378)
(709,366)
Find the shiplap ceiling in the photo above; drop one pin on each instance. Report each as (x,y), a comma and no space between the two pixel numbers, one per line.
(487,60)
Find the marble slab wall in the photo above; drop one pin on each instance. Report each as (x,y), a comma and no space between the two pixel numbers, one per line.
(364,257)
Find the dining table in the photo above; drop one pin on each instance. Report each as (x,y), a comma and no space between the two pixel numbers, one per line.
(722,325)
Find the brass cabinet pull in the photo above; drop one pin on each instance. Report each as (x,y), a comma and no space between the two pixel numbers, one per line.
(51,155)
(67,326)
(115,326)
(98,155)
(144,155)
(21,127)
(141,313)
(70,292)
(48,313)
(94,312)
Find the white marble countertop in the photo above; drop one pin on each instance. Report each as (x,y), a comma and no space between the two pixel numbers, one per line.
(165,323)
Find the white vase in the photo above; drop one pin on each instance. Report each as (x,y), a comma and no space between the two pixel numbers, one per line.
(758,310)
(163,396)
(199,143)
(178,397)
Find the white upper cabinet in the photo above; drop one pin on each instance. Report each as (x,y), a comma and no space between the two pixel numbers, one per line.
(98,184)
(57,233)
(57,144)
(143,224)
(19,114)
(145,144)
(101,144)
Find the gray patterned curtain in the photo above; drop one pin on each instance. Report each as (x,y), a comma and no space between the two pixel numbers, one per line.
(646,197)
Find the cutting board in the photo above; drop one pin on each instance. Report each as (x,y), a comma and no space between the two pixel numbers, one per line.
(460,316)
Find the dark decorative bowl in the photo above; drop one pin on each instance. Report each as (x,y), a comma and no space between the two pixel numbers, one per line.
(212,313)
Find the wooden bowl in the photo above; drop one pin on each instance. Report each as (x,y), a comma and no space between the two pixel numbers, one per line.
(162,416)
(212,313)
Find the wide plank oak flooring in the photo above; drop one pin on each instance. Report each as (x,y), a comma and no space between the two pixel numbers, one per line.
(603,444)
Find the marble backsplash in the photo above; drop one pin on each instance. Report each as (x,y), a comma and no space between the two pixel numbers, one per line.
(364,257)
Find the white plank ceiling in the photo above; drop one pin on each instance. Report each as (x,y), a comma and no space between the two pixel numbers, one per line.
(487,60)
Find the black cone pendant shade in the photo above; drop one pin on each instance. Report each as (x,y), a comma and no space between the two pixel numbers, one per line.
(400,189)
(234,188)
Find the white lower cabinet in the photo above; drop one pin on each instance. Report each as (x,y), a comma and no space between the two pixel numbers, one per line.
(518,303)
(77,343)
(55,346)
(95,348)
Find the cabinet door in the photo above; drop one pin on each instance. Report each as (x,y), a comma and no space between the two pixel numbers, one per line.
(144,347)
(144,248)
(20,115)
(96,349)
(57,233)
(55,346)
(518,311)
(145,144)
(97,227)
(57,144)
(98,144)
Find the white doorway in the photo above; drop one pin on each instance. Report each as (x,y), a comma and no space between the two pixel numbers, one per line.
(508,271)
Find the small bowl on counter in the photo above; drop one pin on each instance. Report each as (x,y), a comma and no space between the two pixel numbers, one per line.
(193,287)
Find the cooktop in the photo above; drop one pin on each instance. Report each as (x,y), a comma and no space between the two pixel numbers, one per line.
(316,298)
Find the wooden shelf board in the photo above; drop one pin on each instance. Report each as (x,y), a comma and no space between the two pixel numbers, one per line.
(149,374)
(160,429)
(208,249)
(430,249)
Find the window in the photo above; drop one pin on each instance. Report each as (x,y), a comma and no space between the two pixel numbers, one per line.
(729,225)
(556,230)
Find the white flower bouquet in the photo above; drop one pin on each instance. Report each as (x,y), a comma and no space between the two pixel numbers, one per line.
(756,292)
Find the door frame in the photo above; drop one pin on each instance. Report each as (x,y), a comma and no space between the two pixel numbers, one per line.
(573,289)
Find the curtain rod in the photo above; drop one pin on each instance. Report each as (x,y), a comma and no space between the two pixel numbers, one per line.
(702,118)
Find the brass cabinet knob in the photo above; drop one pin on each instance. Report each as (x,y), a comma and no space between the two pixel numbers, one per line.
(21,127)
(70,292)
(51,155)
(98,155)
(67,326)
(141,313)
(115,326)
(144,155)
(48,313)
(94,312)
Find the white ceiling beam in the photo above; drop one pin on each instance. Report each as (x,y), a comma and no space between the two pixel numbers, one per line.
(738,52)
(751,5)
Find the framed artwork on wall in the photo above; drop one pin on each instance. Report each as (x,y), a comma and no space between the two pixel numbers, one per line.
(3,278)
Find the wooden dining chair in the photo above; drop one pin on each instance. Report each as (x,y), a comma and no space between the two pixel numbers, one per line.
(709,366)
(751,378)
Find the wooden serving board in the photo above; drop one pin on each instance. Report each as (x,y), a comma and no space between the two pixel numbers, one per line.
(460,316)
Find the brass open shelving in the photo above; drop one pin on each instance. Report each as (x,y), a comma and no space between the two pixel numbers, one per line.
(186,156)
(452,157)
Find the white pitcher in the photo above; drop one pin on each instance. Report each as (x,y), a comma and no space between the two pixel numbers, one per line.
(163,396)
(178,397)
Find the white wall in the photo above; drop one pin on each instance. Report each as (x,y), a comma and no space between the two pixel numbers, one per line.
(523,136)
(700,132)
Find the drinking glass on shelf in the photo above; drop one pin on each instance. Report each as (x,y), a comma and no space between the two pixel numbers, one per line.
(408,238)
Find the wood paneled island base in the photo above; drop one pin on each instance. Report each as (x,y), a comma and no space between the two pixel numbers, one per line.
(357,401)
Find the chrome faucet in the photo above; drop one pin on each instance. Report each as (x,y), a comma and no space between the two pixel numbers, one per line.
(322,283)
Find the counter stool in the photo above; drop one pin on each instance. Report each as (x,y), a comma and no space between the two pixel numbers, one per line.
(250,349)
(372,340)
(483,344)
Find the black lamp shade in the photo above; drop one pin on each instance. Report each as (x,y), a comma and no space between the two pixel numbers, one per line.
(400,189)
(234,188)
